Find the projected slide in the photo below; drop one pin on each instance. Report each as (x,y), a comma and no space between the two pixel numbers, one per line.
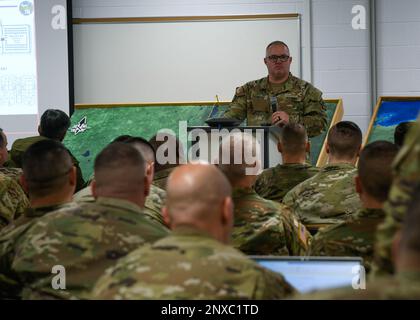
(18,86)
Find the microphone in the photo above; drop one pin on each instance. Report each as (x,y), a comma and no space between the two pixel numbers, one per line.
(273,101)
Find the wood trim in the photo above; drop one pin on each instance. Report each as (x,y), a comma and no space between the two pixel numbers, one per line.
(338,116)
(372,119)
(184,18)
(399,98)
(151,104)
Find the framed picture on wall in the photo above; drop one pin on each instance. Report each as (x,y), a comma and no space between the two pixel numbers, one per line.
(388,114)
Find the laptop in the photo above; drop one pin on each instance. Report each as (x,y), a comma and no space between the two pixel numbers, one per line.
(308,274)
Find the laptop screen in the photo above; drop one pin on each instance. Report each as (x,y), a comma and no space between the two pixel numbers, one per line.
(307,274)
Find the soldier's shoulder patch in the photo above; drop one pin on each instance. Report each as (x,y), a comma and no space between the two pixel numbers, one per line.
(303,235)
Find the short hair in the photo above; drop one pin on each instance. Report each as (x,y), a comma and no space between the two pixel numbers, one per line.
(144,147)
(375,168)
(173,142)
(344,139)
(237,146)
(401,131)
(45,165)
(293,138)
(54,124)
(2,140)
(410,235)
(122,138)
(277,43)
(115,157)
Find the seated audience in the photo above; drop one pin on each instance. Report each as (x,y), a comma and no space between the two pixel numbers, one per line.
(194,262)
(86,239)
(54,125)
(406,172)
(355,237)
(13,173)
(156,198)
(13,201)
(405,283)
(401,131)
(49,178)
(293,144)
(167,149)
(261,227)
(330,196)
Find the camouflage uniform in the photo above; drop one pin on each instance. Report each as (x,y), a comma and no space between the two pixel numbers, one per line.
(32,213)
(299,99)
(353,238)
(264,227)
(406,169)
(152,206)
(86,239)
(13,173)
(189,265)
(161,177)
(21,145)
(274,183)
(13,201)
(329,197)
(154,203)
(402,286)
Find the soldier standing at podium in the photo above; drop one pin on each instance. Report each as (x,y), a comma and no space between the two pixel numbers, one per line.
(280,97)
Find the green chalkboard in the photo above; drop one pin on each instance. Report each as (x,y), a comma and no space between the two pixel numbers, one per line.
(105,123)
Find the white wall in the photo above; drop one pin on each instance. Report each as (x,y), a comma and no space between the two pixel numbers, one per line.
(163,8)
(340,55)
(398,47)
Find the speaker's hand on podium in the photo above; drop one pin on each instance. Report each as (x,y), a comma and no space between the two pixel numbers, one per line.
(279,118)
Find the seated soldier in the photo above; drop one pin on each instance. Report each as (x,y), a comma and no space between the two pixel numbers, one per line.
(406,171)
(405,283)
(49,178)
(156,198)
(293,144)
(401,131)
(13,201)
(88,238)
(54,125)
(261,227)
(355,237)
(13,173)
(330,196)
(194,262)
(166,149)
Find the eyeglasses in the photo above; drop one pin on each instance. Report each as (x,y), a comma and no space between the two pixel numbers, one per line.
(282,58)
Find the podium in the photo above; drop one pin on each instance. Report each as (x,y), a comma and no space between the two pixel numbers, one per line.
(205,142)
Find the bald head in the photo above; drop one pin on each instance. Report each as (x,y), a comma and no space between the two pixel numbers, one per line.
(198,195)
